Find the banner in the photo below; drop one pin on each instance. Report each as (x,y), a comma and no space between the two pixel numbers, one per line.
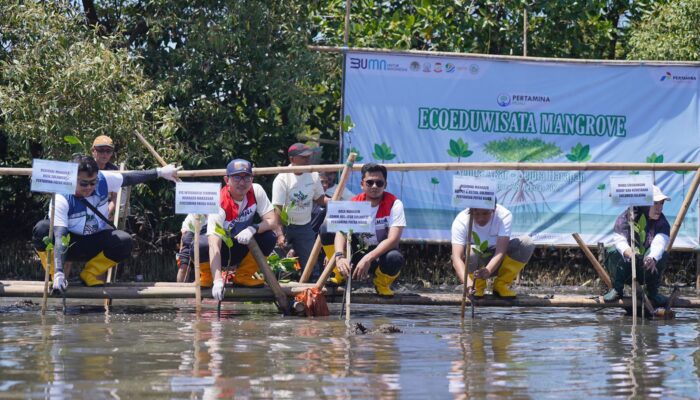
(409,108)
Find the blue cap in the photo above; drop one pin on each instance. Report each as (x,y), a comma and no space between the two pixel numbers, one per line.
(238,166)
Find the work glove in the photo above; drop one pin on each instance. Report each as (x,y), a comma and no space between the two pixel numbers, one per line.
(60,283)
(217,291)
(168,172)
(245,235)
(650,265)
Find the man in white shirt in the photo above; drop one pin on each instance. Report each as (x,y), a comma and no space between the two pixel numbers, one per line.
(293,194)
(651,266)
(374,254)
(505,256)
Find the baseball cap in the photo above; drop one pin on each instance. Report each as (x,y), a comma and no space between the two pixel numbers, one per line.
(300,149)
(659,195)
(238,166)
(103,141)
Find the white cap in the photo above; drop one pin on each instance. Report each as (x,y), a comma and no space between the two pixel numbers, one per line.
(659,195)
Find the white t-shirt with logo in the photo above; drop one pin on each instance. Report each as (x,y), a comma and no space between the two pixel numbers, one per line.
(381,225)
(299,190)
(262,207)
(500,225)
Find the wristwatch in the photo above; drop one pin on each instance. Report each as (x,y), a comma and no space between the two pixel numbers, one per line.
(339,254)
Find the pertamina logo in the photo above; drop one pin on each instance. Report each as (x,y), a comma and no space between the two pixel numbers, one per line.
(504,100)
(669,77)
(438,67)
(374,64)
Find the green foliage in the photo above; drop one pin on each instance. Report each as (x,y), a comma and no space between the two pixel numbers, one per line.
(640,229)
(281,265)
(579,153)
(347,125)
(354,150)
(459,149)
(224,235)
(284,212)
(655,159)
(383,152)
(70,139)
(521,150)
(669,31)
(479,247)
(47,243)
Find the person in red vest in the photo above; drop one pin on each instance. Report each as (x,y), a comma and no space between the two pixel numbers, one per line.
(376,253)
(240,200)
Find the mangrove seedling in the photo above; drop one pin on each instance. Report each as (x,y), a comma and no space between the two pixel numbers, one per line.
(480,248)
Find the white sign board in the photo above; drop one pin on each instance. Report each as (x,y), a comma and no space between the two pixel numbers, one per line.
(472,192)
(343,216)
(197,198)
(632,190)
(54,176)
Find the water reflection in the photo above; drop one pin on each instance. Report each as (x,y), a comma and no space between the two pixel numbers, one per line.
(152,350)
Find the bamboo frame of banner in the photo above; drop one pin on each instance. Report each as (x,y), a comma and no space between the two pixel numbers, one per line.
(113,270)
(49,256)
(468,288)
(340,188)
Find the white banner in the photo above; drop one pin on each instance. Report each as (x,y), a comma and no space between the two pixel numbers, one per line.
(54,176)
(414,108)
(197,198)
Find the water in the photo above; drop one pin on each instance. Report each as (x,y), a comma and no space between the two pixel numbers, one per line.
(158,349)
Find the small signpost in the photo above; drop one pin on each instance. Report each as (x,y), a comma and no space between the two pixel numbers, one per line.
(197,198)
(350,217)
(471,192)
(55,177)
(631,191)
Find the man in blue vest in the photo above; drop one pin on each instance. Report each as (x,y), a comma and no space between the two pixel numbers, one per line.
(82,217)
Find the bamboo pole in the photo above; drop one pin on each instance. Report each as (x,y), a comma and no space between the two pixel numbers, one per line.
(466,265)
(321,282)
(49,257)
(634,264)
(481,166)
(596,265)
(348,290)
(280,297)
(313,257)
(113,270)
(197,281)
(346,33)
(151,150)
(684,209)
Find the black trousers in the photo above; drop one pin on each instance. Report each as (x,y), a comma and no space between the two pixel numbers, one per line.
(234,255)
(115,244)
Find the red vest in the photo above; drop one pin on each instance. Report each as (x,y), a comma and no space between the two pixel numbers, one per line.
(237,220)
(381,220)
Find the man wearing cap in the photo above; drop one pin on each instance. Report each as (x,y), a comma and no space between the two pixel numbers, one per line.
(102,151)
(653,263)
(240,200)
(295,193)
(81,218)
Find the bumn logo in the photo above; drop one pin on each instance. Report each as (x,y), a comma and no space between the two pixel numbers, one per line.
(371,63)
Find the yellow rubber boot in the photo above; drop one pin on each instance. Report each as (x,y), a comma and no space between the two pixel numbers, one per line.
(506,275)
(244,274)
(382,283)
(329,251)
(97,266)
(337,279)
(44,262)
(479,286)
(205,278)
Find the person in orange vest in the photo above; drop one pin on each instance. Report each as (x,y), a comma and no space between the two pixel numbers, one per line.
(375,254)
(240,200)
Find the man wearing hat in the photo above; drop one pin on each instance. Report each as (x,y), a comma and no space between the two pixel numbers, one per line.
(102,151)
(240,200)
(295,193)
(653,263)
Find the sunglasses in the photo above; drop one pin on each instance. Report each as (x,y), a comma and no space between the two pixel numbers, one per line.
(87,183)
(372,182)
(238,178)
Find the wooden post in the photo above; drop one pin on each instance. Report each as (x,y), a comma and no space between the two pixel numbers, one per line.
(348,287)
(683,210)
(313,257)
(113,270)
(197,282)
(49,256)
(525,32)
(346,34)
(466,265)
(634,263)
(598,268)
(280,296)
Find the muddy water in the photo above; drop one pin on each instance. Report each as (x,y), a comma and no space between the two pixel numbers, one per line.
(159,350)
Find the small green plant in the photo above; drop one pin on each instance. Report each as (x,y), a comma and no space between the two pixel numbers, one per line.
(284,213)
(65,241)
(347,125)
(435,182)
(226,239)
(601,187)
(282,267)
(383,153)
(459,149)
(480,248)
(640,228)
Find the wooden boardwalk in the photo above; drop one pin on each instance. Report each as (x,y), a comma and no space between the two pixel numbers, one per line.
(171,290)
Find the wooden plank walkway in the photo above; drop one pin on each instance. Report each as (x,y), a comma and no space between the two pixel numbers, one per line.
(172,290)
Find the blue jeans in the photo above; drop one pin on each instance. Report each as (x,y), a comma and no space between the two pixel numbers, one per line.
(302,239)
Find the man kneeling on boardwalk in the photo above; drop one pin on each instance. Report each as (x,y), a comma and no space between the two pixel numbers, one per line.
(83,217)
(376,253)
(504,256)
(240,200)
